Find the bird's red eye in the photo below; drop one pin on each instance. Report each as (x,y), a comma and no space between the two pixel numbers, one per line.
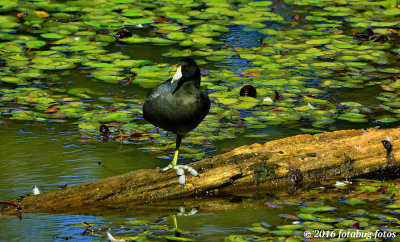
(186,68)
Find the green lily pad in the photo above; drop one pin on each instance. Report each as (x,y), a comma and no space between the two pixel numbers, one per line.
(346,223)
(132,12)
(353,117)
(367,189)
(260,230)
(392,11)
(308,210)
(305,216)
(317,226)
(290,227)
(19,114)
(174,238)
(325,209)
(161,41)
(203,40)
(177,36)
(260,3)
(384,24)
(52,36)
(324,220)
(12,79)
(35,44)
(135,39)
(393,206)
(43,60)
(282,232)
(386,119)
(354,201)
(318,41)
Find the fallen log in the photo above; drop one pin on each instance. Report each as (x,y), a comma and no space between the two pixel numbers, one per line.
(300,159)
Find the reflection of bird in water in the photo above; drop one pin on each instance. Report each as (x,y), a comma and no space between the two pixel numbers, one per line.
(182,211)
(178,105)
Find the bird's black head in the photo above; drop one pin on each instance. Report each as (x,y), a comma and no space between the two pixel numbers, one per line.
(187,71)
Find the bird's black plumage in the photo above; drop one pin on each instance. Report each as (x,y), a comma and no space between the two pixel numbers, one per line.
(178,106)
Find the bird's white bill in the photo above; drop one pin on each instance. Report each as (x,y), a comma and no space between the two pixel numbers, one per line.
(178,74)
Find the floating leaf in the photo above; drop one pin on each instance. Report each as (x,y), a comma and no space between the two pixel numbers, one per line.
(393,206)
(52,36)
(325,209)
(304,216)
(35,44)
(260,230)
(317,226)
(177,36)
(282,232)
(135,39)
(308,209)
(174,238)
(353,201)
(290,227)
(386,119)
(353,117)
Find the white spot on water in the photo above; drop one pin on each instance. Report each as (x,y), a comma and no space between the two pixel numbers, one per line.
(36,191)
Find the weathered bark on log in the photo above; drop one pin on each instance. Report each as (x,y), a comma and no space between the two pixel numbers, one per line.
(275,164)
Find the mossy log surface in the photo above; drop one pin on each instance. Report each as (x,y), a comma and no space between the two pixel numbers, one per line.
(276,164)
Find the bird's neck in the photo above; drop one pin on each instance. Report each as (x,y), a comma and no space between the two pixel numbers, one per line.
(193,82)
(190,86)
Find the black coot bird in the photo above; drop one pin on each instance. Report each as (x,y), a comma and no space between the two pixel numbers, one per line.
(178,105)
